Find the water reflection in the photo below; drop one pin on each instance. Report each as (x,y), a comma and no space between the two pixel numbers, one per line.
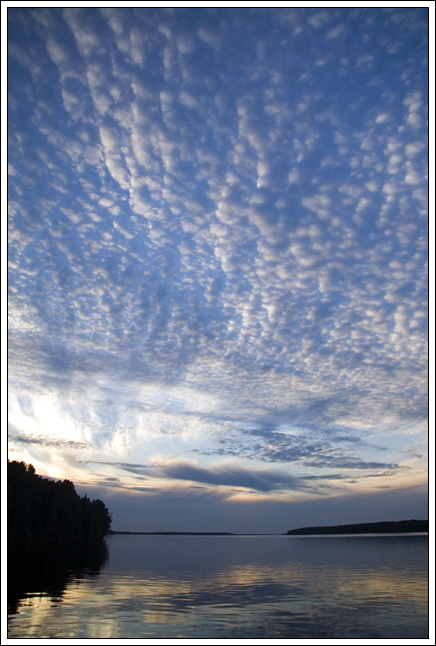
(36,569)
(243,587)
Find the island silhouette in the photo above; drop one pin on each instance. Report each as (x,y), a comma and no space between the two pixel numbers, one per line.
(384,527)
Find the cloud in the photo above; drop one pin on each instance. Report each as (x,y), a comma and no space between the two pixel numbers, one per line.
(84,28)
(121,27)
(58,53)
(210,37)
(319,19)
(336,31)
(185,44)
(188,100)
(232,477)
(58,443)
(205,246)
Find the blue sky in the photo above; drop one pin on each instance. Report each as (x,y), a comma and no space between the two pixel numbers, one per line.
(218,252)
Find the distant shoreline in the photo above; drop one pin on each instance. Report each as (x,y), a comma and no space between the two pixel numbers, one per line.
(385,527)
(112,532)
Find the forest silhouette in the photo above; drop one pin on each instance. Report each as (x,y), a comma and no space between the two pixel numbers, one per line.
(54,535)
(41,510)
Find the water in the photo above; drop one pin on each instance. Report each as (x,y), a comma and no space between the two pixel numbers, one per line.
(233,587)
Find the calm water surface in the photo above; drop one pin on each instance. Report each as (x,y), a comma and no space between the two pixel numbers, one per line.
(240,587)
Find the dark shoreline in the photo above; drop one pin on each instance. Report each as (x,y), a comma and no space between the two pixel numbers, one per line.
(112,532)
(385,527)
(297,533)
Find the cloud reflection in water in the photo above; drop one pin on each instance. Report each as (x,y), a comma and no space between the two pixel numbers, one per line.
(244,587)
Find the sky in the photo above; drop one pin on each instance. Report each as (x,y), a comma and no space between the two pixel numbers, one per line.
(218,262)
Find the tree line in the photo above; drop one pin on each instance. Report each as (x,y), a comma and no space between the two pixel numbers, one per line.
(39,509)
(383,527)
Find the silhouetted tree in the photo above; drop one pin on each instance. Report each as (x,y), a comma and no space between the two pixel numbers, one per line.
(41,509)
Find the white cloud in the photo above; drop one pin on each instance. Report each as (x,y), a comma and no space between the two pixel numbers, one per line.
(413,178)
(169,62)
(210,37)
(319,203)
(421,195)
(137,46)
(58,54)
(389,188)
(336,31)
(71,215)
(414,148)
(188,100)
(414,119)
(105,202)
(365,61)
(319,19)
(185,44)
(294,176)
(383,118)
(87,40)
(72,104)
(113,159)
(263,171)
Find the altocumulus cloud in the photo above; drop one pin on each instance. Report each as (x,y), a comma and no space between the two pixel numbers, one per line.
(218,247)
